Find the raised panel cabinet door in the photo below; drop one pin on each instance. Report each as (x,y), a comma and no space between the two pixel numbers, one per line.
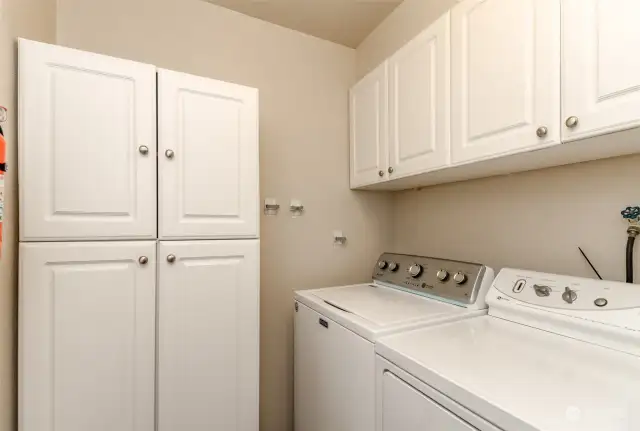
(505,87)
(208,158)
(368,110)
(208,335)
(87,145)
(87,336)
(600,67)
(419,102)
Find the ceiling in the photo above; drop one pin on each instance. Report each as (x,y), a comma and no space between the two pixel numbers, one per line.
(346,22)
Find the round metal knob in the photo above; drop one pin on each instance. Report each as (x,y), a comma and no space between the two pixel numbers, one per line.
(415,270)
(442,275)
(393,267)
(460,278)
(171,258)
(144,150)
(169,154)
(569,296)
(382,264)
(143,260)
(542,132)
(390,170)
(381,174)
(542,291)
(572,122)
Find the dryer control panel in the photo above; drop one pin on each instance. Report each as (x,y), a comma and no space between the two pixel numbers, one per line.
(463,283)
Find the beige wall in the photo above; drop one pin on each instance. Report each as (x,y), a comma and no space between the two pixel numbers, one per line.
(530,220)
(303,84)
(34,19)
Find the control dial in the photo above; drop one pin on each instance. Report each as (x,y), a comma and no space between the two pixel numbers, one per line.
(569,295)
(442,275)
(460,278)
(393,267)
(542,291)
(382,264)
(415,270)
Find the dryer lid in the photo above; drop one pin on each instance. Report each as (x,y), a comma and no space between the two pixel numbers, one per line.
(521,378)
(385,306)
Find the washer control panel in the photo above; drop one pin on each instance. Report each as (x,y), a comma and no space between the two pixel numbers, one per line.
(447,279)
(564,292)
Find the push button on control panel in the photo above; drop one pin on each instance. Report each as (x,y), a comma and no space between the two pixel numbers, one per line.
(601,302)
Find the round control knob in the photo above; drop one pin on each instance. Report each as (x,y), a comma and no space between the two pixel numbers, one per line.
(382,264)
(542,291)
(569,296)
(415,270)
(393,267)
(460,278)
(442,275)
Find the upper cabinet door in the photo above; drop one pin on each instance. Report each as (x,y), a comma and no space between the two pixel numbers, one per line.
(419,95)
(87,336)
(505,77)
(368,106)
(208,335)
(87,129)
(208,158)
(601,68)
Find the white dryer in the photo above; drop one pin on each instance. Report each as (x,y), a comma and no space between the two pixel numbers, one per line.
(336,328)
(555,353)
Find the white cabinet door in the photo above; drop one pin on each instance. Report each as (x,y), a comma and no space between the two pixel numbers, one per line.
(419,94)
(87,336)
(334,376)
(87,145)
(208,335)
(208,158)
(505,84)
(601,68)
(368,107)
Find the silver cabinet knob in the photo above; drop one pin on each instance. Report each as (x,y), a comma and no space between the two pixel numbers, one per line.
(569,295)
(381,174)
(460,278)
(171,258)
(390,170)
(572,122)
(542,132)
(169,154)
(143,260)
(443,275)
(415,270)
(144,150)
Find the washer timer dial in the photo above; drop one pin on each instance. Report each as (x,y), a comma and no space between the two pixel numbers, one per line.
(415,270)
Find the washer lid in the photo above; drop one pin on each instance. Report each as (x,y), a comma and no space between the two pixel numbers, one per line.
(522,378)
(384,306)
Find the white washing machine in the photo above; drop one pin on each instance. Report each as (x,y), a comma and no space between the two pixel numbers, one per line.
(336,328)
(555,353)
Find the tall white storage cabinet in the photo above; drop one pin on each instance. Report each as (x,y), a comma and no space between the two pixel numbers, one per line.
(117,330)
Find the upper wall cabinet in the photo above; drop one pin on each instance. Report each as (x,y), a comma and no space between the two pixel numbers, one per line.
(87,128)
(368,108)
(601,68)
(208,158)
(419,126)
(505,77)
